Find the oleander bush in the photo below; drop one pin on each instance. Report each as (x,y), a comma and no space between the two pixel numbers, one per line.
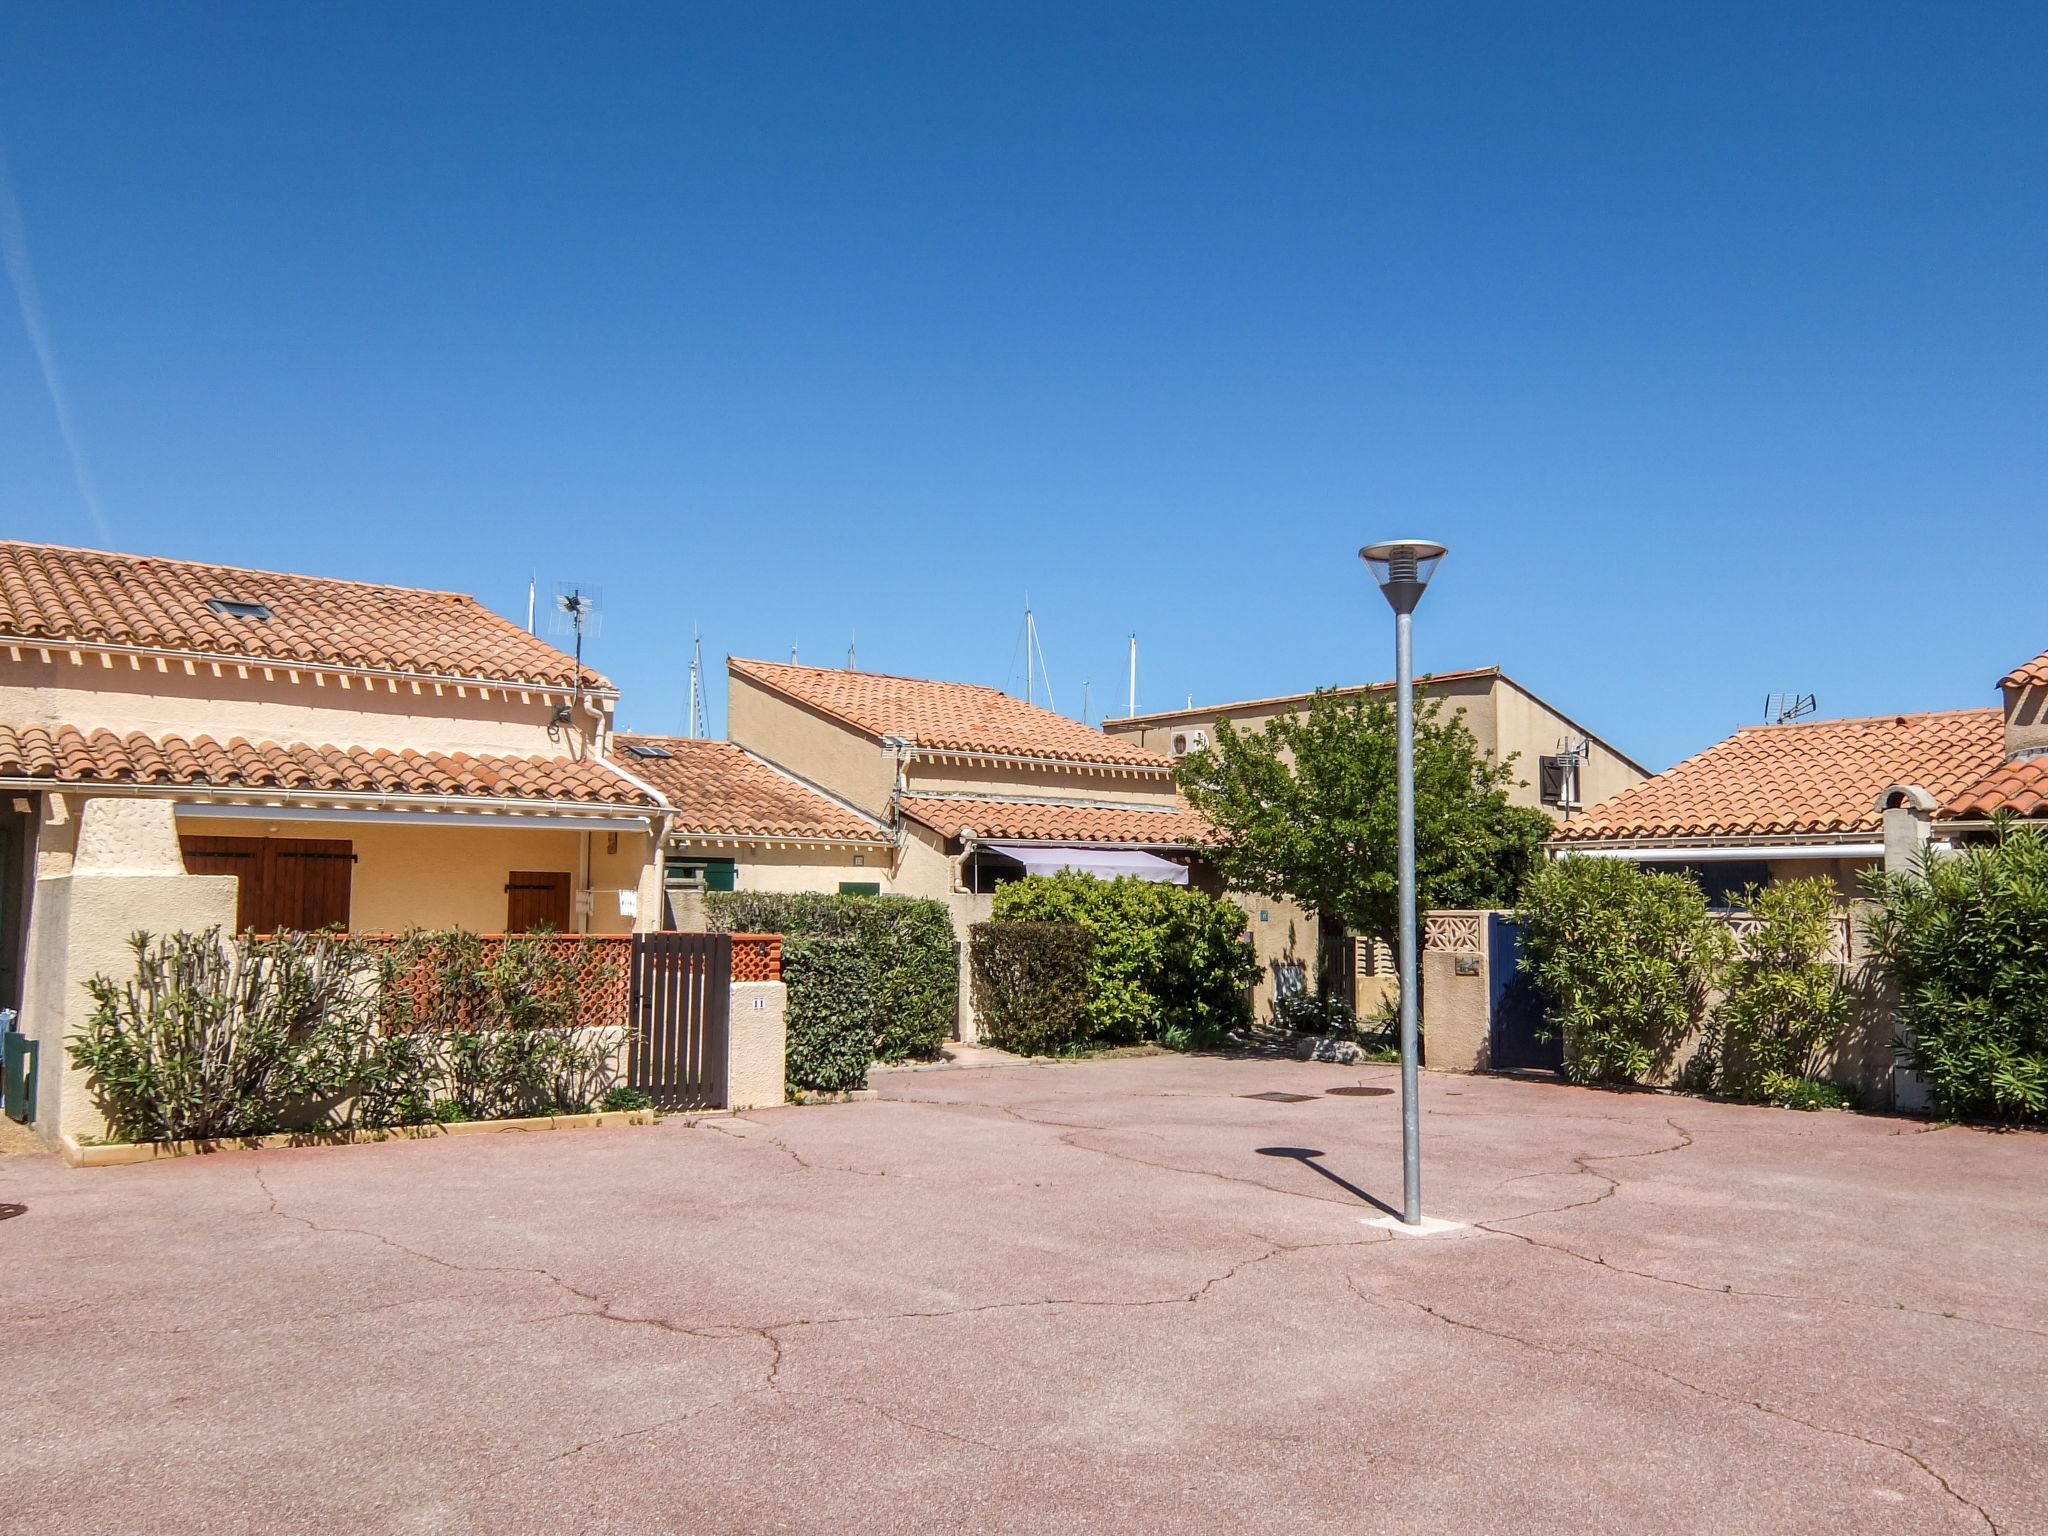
(1170,964)
(1032,985)
(899,999)
(1626,962)
(1784,1000)
(217,1036)
(1965,939)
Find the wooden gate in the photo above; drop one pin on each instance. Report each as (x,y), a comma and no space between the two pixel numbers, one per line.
(680,1004)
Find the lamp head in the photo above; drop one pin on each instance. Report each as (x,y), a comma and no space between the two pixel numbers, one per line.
(1402,567)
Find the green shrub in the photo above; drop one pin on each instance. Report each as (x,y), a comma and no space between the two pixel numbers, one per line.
(1624,960)
(1784,999)
(832,986)
(1171,964)
(618,1099)
(1032,985)
(222,1037)
(217,1037)
(1966,940)
(911,993)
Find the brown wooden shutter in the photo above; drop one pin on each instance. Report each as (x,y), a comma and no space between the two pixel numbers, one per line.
(535,899)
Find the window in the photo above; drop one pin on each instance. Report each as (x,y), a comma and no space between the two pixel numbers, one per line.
(1557,782)
(648,749)
(695,874)
(230,608)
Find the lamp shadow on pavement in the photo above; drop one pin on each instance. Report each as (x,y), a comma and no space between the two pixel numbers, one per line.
(1307,1156)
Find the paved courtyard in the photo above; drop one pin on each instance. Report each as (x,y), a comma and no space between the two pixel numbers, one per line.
(1114,1296)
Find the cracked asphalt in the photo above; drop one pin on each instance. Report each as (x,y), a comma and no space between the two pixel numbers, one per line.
(1110,1296)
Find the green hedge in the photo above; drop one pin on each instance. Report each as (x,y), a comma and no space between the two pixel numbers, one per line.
(891,989)
(1171,964)
(1032,985)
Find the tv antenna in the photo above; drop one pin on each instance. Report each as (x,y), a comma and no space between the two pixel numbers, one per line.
(1572,752)
(1784,708)
(575,612)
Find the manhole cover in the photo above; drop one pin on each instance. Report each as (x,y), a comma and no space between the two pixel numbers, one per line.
(1279,1098)
(1360,1092)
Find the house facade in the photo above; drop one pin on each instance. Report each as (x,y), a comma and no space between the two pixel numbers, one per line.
(1562,767)
(974,787)
(282,751)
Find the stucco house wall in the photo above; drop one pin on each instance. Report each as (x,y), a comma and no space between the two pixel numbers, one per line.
(825,751)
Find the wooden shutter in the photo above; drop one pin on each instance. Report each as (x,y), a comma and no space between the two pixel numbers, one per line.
(241,857)
(306,883)
(535,899)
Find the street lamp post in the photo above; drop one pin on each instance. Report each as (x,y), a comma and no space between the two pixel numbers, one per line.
(1403,567)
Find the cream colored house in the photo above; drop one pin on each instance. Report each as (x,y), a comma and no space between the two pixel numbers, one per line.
(974,787)
(1562,766)
(317,752)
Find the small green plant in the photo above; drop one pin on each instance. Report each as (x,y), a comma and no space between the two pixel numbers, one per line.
(1807,1093)
(617,1099)
(1963,938)
(1624,960)
(451,1112)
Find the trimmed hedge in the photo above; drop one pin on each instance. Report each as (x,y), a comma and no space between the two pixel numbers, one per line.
(1032,985)
(890,988)
(1171,964)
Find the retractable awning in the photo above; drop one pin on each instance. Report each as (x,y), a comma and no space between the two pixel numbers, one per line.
(1104,863)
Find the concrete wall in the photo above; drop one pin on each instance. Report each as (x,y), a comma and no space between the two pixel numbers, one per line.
(320,709)
(2026,718)
(756,1067)
(1456,992)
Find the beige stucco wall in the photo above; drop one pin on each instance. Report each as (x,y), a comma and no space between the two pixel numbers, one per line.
(827,752)
(1456,1001)
(756,1072)
(127,878)
(409,874)
(319,709)
(935,776)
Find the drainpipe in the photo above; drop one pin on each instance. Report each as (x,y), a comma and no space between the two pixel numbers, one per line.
(969,840)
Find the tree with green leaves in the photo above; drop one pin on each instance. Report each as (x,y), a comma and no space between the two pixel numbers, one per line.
(1306,810)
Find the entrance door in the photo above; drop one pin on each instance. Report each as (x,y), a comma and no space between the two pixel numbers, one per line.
(535,899)
(285,882)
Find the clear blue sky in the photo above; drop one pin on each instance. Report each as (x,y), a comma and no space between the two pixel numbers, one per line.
(1713,339)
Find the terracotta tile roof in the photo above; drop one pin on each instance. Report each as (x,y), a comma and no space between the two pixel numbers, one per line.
(2032,674)
(65,755)
(720,789)
(1812,778)
(1056,822)
(2019,786)
(51,593)
(958,717)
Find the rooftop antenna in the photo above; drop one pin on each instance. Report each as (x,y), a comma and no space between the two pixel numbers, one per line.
(1572,751)
(575,612)
(1784,708)
(1087,699)
(792,653)
(850,641)
(1134,675)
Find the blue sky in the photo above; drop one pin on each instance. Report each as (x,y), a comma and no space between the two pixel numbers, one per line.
(1714,340)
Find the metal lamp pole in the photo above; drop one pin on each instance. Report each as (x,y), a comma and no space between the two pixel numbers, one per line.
(1403,568)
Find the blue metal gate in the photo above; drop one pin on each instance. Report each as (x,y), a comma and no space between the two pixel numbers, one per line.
(1514,1007)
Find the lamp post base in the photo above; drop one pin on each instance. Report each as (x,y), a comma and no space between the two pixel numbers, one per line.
(1429,1226)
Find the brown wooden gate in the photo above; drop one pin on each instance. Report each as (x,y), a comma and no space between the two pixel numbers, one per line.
(680,1004)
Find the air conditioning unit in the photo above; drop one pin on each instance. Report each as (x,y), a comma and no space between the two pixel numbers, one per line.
(1185,742)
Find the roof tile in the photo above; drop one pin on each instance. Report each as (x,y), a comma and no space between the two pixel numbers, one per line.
(2019,786)
(720,789)
(956,717)
(1813,777)
(2029,674)
(56,594)
(1061,822)
(65,755)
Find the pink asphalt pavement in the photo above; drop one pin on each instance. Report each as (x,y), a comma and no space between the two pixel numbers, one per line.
(1098,1297)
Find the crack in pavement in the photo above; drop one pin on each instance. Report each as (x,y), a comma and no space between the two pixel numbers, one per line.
(1601,1261)
(769,1138)
(1734,1400)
